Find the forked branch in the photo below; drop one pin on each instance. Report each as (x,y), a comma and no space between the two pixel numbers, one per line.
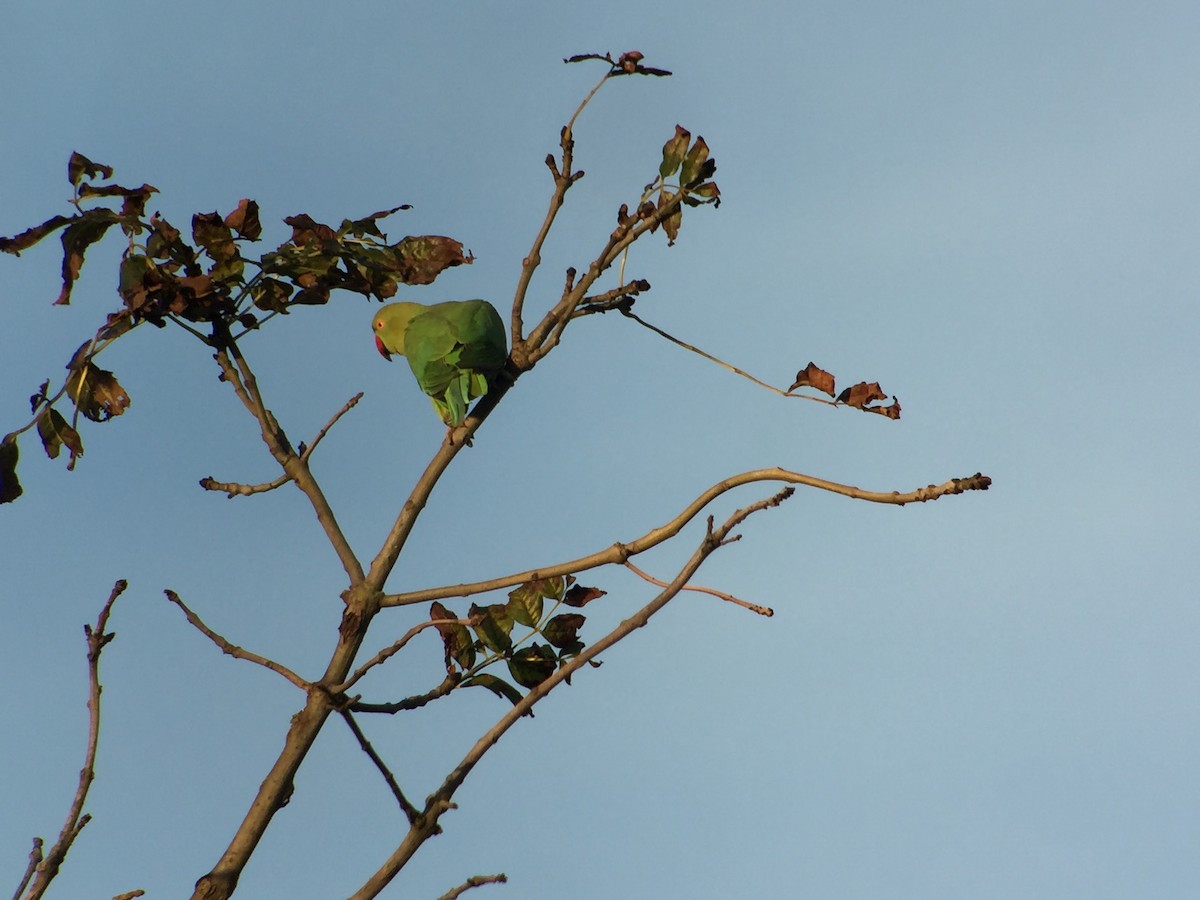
(440,801)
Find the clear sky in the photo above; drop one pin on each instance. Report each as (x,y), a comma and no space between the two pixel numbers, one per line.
(991,208)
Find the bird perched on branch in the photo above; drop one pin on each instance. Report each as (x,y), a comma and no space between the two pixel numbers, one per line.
(454,349)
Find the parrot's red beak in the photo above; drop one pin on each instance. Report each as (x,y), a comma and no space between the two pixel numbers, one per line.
(382,349)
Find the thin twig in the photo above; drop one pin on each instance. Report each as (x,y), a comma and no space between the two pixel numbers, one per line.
(233,649)
(473,882)
(410,811)
(35,857)
(621,552)
(234,489)
(97,640)
(306,452)
(720,362)
(449,683)
(721,595)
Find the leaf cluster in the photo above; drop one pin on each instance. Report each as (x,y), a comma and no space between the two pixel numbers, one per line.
(206,283)
(488,638)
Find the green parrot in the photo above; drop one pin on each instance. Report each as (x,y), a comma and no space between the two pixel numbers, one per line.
(454,349)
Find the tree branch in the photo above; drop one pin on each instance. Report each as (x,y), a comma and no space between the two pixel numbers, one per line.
(233,649)
(234,489)
(439,801)
(97,640)
(295,467)
(449,683)
(473,882)
(410,811)
(620,552)
(721,595)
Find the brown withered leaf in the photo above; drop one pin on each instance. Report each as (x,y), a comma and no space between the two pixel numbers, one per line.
(421,258)
(95,392)
(859,395)
(814,376)
(80,167)
(369,224)
(56,433)
(244,220)
(84,231)
(135,198)
(580,596)
(892,410)
(457,640)
(10,487)
(31,236)
(306,230)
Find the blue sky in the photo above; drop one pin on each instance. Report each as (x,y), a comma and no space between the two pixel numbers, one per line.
(992,209)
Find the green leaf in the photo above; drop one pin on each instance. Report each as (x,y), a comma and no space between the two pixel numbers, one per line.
(271,294)
(210,232)
(694,164)
(670,223)
(563,631)
(493,625)
(674,152)
(55,433)
(10,487)
(703,193)
(459,645)
(532,665)
(497,686)
(525,604)
(80,167)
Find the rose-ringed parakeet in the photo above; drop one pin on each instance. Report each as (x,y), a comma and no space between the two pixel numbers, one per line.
(454,349)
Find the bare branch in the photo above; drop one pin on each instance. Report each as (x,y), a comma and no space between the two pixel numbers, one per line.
(621,552)
(235,651)
(473,882)
(753,607)
(720,362)
(410,811)
(234,489)
(97,640)
(439,801)
(306,452)
(449,683)
(35,857)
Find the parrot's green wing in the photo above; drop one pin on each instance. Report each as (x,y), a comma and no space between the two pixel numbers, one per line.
(454,349)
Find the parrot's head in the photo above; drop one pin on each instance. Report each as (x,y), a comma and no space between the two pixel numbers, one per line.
(390,324)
